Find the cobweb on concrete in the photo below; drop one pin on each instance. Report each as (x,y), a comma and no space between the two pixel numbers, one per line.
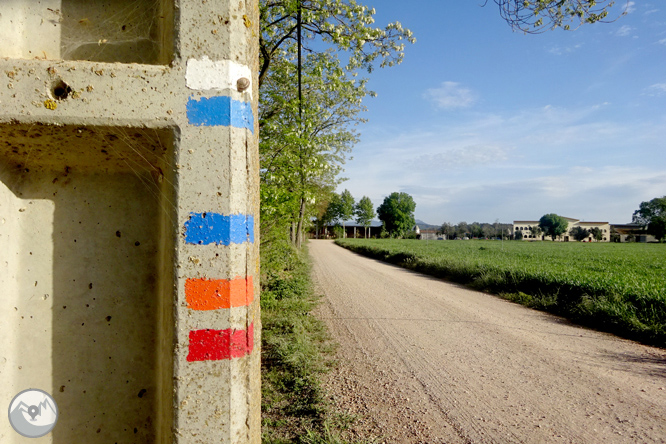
(126,31)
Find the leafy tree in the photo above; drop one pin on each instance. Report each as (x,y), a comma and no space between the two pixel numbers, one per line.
(340,209)
(306,133)
(345,207)
(303,150)
(652,215)
(397,213)
(553,225)
(462,230)
(580,233)
(537,16)
(518,235)
(448,230)
(342,25)
(476,230)
(614,235)
(365,212)
(536,231)
(323,215)
(597,234)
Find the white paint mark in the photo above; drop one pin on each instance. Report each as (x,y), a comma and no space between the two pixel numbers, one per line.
(207,74)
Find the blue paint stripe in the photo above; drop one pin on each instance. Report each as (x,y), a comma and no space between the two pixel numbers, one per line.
(220,111)
(213,228)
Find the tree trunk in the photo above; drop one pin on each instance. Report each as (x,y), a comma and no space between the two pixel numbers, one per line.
(299,230)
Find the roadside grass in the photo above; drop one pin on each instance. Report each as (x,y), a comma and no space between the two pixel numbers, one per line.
(296,352)
(618,288)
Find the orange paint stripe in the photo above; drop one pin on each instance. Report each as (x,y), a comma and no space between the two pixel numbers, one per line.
(213,294)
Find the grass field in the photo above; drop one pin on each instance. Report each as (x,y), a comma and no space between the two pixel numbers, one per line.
(619,288)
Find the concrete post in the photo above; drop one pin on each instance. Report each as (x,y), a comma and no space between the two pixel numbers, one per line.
(128,218)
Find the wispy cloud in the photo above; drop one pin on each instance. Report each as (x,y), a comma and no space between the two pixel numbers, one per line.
(630,7)
(662,42)
(624,31)
(559,50)
(606,193)
(451,95)
(467,156)
(657,89)
(574,161)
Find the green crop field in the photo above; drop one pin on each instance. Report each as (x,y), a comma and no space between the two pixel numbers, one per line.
(615,287)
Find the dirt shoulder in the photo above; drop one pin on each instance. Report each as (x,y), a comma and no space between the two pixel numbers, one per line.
(422,360)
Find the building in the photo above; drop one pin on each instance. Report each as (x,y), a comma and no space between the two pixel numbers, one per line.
(524,226)
(352,229)
(632,233)
(428,234)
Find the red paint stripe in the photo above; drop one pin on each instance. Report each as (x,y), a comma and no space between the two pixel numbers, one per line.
(214,294)
(216,345)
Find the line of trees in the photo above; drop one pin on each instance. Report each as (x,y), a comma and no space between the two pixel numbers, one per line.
(463,230)
(396,213)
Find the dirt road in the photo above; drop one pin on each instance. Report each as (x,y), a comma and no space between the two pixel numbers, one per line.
(425,361)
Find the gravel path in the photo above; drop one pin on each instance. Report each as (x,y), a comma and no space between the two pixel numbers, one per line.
(426,361)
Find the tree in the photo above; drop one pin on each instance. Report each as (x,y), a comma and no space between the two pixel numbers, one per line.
(553,225)
(462,230)
(345,208)
(340,208)
(397,213)
(518,235)
(448,230)
(477,230)
(365,212)
(580,233)
(614,235)
(323,216)
(536,231)
(342,25)
(652,215)
(306,130)
(597,234)
(302,148)
(537,16)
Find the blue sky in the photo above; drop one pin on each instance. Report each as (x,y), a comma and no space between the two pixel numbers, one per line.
(481,123)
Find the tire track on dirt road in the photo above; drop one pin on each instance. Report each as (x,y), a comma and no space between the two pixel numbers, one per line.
(423,360)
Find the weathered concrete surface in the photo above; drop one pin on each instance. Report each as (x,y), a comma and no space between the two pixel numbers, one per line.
(102,168)
(126,31)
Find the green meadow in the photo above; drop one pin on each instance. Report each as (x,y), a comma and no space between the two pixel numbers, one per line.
(619,288)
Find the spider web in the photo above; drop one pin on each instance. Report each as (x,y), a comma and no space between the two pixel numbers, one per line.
(126,31)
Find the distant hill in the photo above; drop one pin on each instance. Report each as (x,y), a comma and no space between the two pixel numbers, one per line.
(426,226)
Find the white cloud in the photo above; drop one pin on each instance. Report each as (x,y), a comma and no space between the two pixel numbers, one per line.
(630,7)
(624,31)
(559,50)
(450,95)
(464,157)
(662,42)
(657,89)
(575,161)
(608,193)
